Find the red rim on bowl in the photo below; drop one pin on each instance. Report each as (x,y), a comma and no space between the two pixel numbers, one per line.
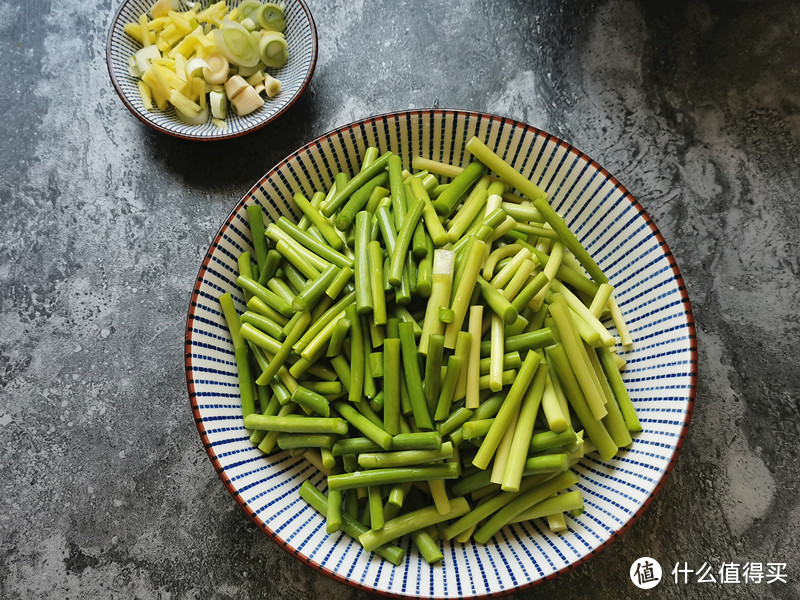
(425,113)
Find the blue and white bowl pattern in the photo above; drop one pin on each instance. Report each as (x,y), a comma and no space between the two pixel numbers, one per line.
(661,374)
(295,75)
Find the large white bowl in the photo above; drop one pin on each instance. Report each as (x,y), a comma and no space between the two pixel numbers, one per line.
(295,75)
(661,374)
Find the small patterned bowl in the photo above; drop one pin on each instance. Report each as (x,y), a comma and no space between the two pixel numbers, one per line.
(661,375)
(295,75)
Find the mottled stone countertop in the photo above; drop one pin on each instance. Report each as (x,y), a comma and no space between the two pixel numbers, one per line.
(106,489)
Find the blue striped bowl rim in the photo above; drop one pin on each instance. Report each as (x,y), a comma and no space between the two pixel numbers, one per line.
(295,75)
(661,374)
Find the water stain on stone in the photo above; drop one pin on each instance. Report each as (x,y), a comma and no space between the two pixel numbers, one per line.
(11,367)
(77,561)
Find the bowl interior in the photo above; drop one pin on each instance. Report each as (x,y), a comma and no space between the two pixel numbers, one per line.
(661,372)
(301,37)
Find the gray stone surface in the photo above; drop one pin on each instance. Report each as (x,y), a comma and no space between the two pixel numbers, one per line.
(106,490)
